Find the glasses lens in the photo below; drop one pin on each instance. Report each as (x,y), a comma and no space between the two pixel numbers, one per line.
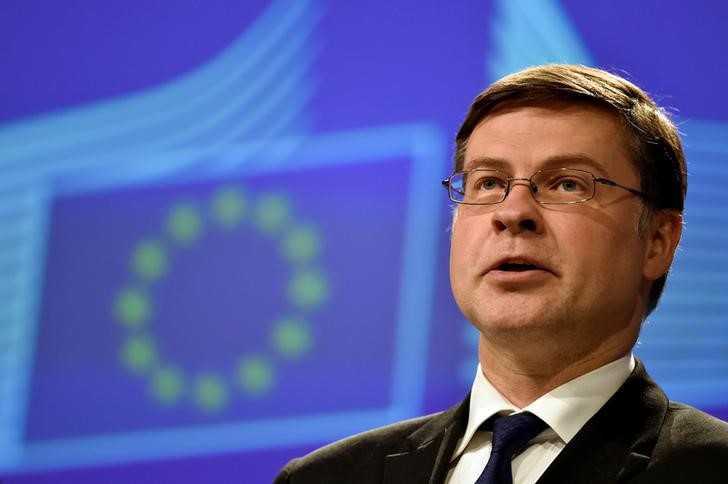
(563,185)
(456,188)
(478,187)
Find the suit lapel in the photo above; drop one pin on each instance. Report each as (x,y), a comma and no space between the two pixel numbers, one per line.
(618,441)
(429,449)
(614,445)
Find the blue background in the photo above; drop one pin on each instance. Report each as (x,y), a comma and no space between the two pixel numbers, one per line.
(113,114)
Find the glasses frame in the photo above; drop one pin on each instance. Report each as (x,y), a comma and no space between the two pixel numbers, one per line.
(447,183)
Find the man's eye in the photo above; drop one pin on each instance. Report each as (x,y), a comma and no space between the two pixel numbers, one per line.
(490,184)
(569,185)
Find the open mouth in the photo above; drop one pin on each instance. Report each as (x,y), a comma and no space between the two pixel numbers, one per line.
(516,267)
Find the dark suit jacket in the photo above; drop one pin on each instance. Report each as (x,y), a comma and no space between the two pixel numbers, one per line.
(638,436)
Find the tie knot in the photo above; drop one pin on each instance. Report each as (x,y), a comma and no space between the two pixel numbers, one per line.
(511,433)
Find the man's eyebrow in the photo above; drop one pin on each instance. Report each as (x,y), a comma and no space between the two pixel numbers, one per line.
(486,162)
(565,160)
(574,160)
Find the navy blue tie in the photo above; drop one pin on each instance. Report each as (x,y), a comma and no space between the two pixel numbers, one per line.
(510,435)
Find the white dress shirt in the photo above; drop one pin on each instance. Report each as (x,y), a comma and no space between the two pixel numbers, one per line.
(565,409)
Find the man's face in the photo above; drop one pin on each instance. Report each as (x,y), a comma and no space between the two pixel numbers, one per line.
(519,269)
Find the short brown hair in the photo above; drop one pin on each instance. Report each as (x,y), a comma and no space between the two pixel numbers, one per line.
(652,139)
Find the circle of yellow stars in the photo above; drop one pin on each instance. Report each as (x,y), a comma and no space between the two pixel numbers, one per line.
(290,336)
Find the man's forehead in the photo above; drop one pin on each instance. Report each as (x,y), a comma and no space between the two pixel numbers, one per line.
(546,134)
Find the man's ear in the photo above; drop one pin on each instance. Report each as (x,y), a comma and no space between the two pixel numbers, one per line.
(662,237)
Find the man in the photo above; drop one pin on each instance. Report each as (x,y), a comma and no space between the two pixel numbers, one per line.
(569,184)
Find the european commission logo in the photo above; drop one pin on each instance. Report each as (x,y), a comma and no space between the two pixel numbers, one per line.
(290,336)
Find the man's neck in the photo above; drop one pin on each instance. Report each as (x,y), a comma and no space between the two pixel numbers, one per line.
(524,376)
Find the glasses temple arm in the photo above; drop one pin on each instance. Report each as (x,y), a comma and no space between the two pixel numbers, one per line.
(607,181)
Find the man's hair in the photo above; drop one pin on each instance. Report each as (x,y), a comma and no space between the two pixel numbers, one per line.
(651,139)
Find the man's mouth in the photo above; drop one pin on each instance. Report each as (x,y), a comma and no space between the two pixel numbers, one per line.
(516,267)
(518,264)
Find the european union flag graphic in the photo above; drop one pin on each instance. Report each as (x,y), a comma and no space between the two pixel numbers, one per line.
(230,308)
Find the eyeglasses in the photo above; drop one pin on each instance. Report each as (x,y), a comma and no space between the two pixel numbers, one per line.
(549,187)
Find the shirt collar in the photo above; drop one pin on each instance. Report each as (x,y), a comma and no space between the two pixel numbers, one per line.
(565,409)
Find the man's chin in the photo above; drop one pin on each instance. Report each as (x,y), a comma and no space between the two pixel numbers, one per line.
(516,320)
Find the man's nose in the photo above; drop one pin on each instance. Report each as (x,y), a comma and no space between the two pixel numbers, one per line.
(519,212)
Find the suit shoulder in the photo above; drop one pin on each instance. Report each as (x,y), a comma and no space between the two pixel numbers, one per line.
(360,454)
(688,427)
(692,447)
(377,441)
